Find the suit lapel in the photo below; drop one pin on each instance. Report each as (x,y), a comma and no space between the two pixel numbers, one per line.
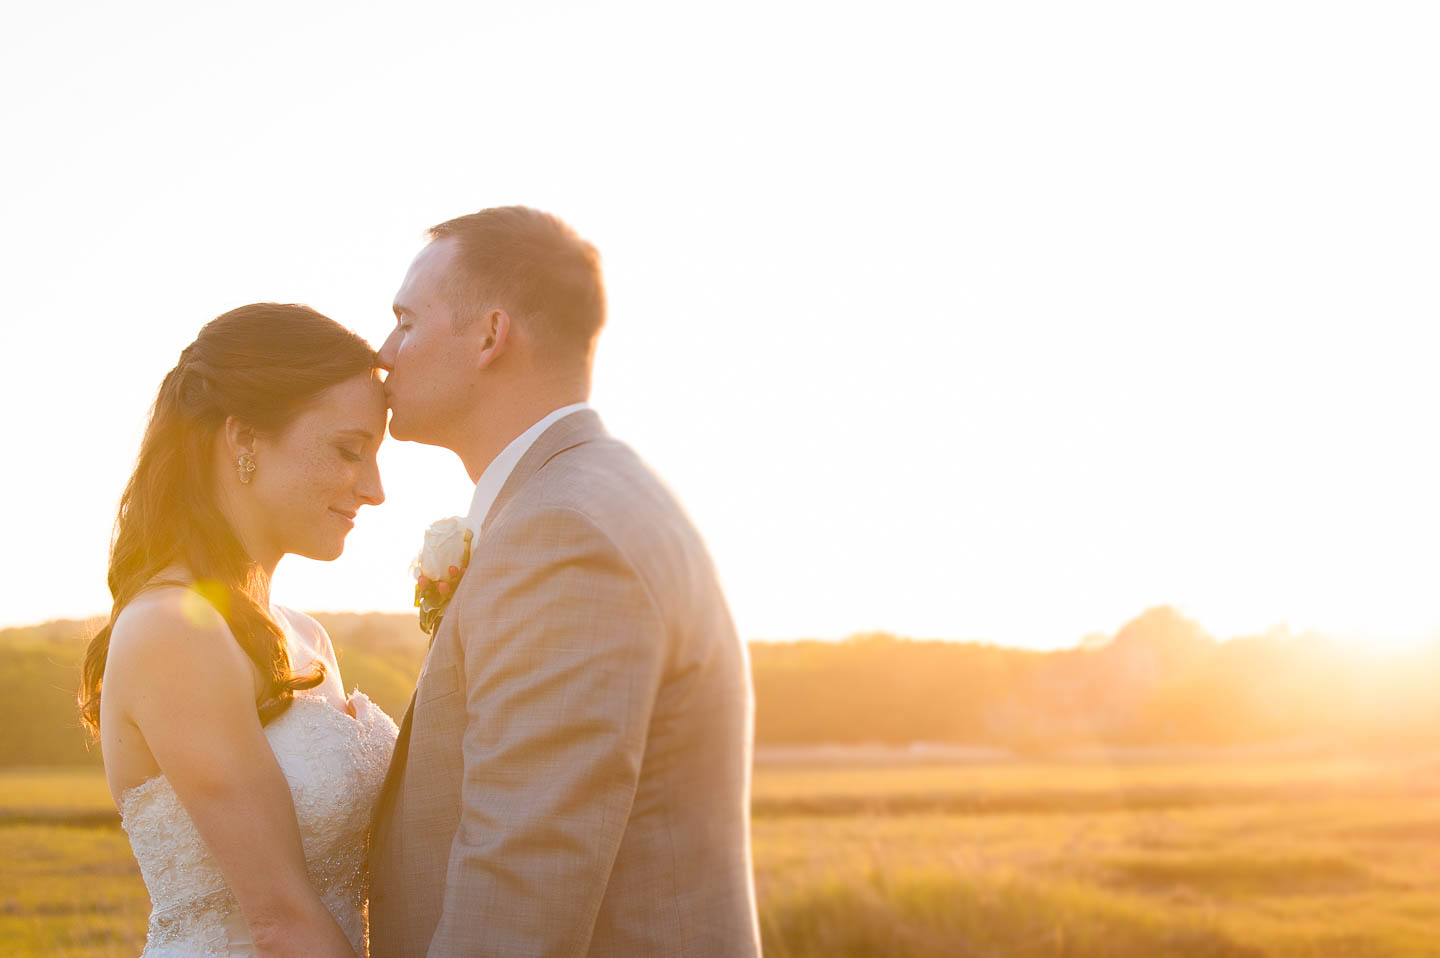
(576,428)
(397,762)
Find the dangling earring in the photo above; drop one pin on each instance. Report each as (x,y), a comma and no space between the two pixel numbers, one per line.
(244,466)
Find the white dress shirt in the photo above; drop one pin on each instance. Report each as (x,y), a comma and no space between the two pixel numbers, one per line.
(492,480)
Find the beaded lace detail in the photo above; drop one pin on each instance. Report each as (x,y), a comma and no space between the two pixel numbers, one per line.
(335,765)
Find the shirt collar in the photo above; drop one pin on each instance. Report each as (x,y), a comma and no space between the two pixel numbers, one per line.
(492,480)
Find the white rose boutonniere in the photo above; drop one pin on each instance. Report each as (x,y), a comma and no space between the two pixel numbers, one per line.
(438,568)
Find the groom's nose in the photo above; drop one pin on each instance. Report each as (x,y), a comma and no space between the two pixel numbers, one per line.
(386,356)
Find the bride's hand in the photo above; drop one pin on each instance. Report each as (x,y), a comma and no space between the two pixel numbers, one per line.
(311,935)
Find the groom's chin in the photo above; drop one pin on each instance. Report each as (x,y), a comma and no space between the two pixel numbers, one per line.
(402,430)
(404,433)
(398,431)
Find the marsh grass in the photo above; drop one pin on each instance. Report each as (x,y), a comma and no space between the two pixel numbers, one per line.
(70,891)
(932,913)
(1310,858)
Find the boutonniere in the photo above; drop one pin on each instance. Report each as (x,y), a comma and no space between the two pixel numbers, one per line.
(438,568)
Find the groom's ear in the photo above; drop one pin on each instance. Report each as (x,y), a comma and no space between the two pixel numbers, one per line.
(494,332)
(239,437)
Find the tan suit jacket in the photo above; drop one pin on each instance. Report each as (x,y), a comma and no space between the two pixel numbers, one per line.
(573,775)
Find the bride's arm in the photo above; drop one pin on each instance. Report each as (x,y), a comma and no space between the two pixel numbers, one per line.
(191,691)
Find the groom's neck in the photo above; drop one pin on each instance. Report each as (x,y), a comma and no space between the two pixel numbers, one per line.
(499,422)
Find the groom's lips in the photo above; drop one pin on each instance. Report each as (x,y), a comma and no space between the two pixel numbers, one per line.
(349,517)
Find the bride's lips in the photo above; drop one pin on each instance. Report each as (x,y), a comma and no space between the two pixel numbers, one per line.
(349,517)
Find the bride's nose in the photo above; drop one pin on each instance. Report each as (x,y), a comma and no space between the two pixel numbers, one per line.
(370,491)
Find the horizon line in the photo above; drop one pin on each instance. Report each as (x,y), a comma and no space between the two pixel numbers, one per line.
(1084,641)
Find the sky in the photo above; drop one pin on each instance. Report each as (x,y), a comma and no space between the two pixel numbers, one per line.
(971,321)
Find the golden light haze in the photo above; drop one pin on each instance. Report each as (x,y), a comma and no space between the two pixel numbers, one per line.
(962,321)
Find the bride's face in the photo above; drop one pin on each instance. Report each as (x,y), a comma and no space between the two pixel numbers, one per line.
(313,477)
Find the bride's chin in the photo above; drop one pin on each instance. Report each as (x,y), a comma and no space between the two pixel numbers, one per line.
(326,552)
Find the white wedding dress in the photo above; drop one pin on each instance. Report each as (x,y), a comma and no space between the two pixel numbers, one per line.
(335,765)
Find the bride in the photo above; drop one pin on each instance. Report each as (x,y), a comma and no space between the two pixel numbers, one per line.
(244,775)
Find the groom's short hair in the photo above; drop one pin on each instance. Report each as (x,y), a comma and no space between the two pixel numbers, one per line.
(531,265)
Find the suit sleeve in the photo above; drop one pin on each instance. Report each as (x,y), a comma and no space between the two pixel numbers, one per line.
(563,653)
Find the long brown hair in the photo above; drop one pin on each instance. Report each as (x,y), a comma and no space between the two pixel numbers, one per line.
(262,364)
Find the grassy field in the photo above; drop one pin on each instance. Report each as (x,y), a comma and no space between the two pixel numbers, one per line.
(1202,857)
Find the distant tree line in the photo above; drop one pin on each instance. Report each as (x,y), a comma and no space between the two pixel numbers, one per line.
(1159,681)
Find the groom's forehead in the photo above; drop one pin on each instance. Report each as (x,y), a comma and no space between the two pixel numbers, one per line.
(436,257)
(428,270)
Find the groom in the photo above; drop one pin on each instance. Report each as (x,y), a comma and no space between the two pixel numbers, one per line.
(573,775)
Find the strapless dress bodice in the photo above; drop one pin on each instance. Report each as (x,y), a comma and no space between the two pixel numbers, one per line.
(335,766)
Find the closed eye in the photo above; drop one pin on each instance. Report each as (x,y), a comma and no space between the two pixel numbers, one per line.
(348,455)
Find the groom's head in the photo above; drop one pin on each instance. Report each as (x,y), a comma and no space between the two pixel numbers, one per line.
(500,310)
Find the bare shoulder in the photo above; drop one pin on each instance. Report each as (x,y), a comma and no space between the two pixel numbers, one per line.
(172,630)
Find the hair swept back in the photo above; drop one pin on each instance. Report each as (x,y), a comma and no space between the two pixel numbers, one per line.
(262,363)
